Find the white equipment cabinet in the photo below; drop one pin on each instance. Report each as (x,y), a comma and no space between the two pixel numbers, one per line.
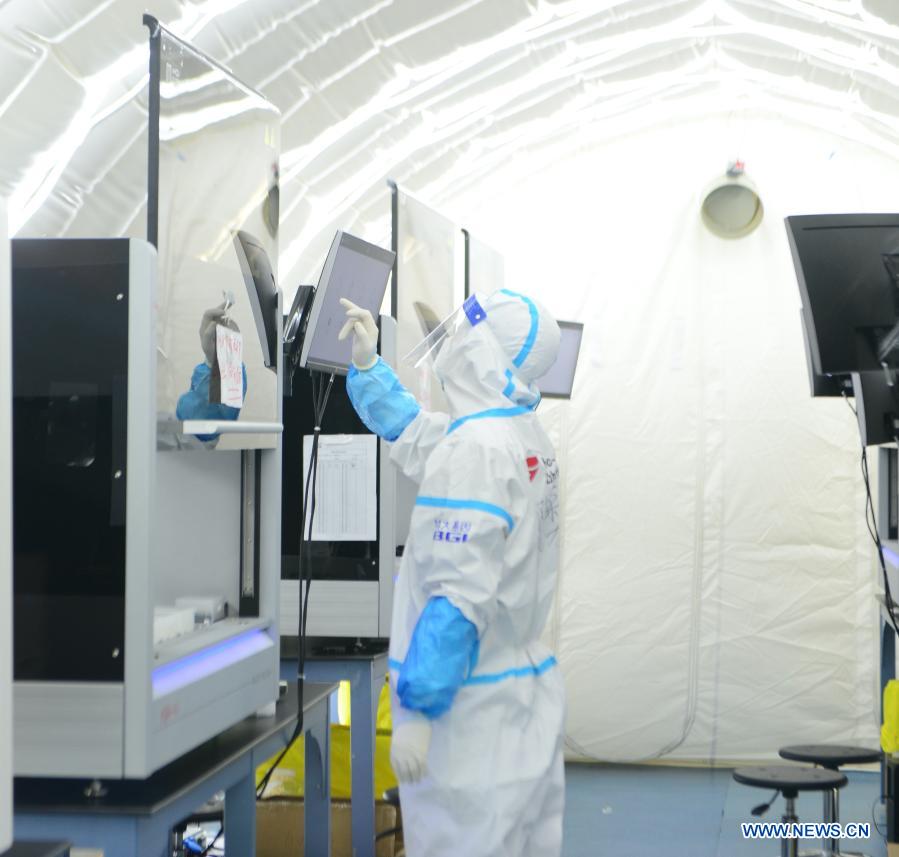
(5,543)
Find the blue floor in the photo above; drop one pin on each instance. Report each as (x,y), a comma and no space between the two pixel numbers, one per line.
(642,811)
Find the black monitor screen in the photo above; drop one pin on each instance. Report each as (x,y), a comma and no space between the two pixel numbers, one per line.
(848,294)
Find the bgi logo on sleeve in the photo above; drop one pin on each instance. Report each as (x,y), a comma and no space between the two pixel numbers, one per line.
(454,531)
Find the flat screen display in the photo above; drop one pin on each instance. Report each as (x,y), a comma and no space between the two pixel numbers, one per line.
(558,382)
(213,193)
(846,266)
(353,269)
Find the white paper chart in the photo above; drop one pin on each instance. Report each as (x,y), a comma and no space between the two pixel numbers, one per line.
(346,488)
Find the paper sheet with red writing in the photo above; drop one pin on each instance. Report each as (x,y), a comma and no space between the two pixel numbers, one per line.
(229,351)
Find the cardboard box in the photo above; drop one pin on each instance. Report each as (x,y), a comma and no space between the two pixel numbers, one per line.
(892,849)
(280,826)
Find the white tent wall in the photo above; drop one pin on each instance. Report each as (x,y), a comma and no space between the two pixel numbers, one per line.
(421,92)
(717,585)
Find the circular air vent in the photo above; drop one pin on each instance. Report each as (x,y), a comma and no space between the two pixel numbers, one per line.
(731,207)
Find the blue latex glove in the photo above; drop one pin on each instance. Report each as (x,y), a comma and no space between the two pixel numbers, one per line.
(381,401)
(195,404)
(442,654)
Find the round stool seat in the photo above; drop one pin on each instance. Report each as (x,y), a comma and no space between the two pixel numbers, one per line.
(829,755)
(790,778)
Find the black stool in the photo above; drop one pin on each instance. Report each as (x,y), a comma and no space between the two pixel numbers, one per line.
(789,781)
(832,757)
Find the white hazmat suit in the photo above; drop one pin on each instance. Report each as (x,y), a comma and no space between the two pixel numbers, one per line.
(475,589)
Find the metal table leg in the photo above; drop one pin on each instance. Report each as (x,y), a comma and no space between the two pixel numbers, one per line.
(887,673)
(364,710)
(240,816)
(366,676)
(317,804)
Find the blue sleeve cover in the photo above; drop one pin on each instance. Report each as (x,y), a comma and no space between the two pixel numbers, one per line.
(442,654)
(195,404)
(381,401)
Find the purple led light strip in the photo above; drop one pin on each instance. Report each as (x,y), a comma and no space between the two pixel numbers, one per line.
(184,671)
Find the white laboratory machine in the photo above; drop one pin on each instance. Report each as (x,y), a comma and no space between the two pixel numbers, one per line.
(5,544)
(120,510)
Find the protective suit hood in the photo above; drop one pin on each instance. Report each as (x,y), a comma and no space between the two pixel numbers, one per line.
(495,363)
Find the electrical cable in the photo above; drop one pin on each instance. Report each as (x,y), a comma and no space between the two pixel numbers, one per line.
(320,398)
(321,405)
(877,800)
(211,845)
(871,523)
(762,808)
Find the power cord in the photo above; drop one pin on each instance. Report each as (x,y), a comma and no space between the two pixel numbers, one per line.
(762,808)
(211,845)
(320,396)
(877,800)
(871,523)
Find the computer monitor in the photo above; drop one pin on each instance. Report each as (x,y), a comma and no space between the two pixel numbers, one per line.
(262,291)
(294,330)
(353,269)
(877,406)
(559,380)
(846,265)
(295,320)
(822,385)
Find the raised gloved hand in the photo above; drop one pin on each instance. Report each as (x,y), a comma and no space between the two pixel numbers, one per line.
(211,318)
(365,334)
(409,749)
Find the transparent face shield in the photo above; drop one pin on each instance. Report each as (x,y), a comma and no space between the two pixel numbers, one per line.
(469,314)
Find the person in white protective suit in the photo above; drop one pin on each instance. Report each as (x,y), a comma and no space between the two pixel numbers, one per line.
(478,701)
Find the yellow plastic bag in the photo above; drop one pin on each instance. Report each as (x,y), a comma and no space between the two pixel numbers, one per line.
(889,732)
